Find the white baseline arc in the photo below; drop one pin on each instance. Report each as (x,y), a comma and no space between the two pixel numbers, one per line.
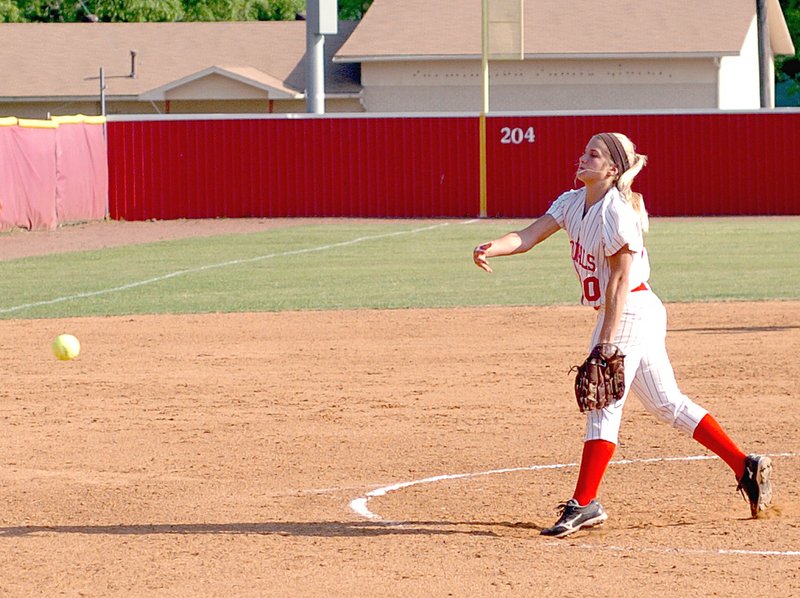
(203,268)
(360,504)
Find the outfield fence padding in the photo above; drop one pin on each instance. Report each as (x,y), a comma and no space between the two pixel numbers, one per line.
(52,172)
(721,163)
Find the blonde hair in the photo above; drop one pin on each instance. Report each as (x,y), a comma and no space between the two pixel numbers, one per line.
(625,178)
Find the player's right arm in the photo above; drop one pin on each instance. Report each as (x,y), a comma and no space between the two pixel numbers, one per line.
(515,242)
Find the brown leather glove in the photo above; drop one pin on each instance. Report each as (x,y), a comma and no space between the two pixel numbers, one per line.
(600,380)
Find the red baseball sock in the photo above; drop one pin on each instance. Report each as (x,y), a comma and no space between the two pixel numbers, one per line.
(596,457)
(711,435)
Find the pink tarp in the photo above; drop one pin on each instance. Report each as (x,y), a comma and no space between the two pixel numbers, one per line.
(51,173)
(27,177)
(81,172)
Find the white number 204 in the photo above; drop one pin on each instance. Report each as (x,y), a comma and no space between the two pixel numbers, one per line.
(517,135)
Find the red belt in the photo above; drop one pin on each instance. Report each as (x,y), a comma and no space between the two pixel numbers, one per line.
(641,287)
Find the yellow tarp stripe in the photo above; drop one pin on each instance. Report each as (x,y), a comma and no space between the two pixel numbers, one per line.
(37,124)
(68,119)
(71,119)
(53,123)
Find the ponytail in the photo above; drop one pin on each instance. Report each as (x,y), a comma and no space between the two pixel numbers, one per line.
(629,165)
(624,183)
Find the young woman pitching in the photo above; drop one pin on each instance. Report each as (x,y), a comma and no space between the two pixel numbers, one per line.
(606,221)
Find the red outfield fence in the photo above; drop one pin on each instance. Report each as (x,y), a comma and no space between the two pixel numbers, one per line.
(722,163)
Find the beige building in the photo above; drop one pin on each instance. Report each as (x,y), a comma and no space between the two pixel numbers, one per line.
(240,67)
(404,56)
(418,55)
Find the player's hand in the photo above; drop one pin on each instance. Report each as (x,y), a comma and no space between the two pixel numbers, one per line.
(479,257)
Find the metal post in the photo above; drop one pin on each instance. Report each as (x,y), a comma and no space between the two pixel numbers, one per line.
(321,20)
(315,74)
(102,91)
(485,56)
(484,103)
(763,54)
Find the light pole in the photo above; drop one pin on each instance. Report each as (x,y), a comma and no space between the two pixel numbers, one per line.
(321,20)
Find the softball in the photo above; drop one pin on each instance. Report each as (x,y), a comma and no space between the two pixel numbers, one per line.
(66,347)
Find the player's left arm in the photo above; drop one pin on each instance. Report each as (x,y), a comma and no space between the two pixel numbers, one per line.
(617,291)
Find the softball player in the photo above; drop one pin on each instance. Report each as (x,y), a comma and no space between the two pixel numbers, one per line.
(606,221)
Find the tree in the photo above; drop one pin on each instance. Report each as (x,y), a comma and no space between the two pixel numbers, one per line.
(135,11)
(47,11)
(788,69)
(9,12)
(352,10)
(131,11)
(275,10)
(70,11)
(242,10)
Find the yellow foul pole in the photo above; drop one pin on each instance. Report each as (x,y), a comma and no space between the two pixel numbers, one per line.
(484,101)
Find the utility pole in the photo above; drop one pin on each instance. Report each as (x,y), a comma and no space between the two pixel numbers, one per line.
(763,54)
(103,77)
(321,20)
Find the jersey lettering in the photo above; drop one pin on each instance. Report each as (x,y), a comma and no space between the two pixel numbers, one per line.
(597,232)
(591,288)
(582,257)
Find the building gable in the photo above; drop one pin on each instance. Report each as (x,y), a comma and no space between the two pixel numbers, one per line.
(221,83)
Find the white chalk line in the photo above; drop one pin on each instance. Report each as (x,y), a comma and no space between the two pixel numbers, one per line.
(139,283)
(360,505)
(689,551)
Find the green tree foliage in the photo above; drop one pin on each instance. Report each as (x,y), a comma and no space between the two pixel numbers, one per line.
(69,11)
(790,67)
(352,10)
(134,11)
(242,10)
(61,11)
(47,11)
(10,12)
(274,10)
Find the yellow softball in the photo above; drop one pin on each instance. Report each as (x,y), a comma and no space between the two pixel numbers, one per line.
(66,347)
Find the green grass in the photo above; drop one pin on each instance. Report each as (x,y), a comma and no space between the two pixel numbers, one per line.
(396,264)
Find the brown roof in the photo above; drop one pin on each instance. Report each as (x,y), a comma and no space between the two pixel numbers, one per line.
(47,59)
(404,29)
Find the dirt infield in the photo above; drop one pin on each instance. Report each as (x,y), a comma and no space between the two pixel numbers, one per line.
(213,455)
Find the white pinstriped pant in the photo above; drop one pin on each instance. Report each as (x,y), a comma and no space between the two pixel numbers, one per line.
(641,336)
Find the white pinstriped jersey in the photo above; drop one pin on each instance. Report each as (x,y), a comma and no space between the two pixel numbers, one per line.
(607,227)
